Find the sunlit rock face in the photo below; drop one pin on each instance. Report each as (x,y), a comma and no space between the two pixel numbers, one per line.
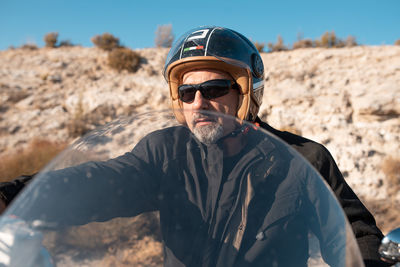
(347,99)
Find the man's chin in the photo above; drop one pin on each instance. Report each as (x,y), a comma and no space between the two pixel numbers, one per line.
(208,133)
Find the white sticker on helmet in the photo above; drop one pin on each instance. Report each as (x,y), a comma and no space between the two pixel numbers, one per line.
(194,35)
(209,37)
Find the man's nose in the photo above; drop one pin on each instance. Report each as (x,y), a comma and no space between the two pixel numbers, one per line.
(199,102)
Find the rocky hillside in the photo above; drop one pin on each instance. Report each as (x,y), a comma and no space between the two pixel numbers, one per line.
(347,98)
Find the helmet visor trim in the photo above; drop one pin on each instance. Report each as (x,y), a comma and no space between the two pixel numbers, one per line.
(258,84)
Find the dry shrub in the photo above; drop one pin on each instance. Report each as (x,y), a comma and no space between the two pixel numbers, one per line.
(82,122)
(65,43)
(144,253)
(124,59)
(306,43)
(386,213)
(118,231)
(397,42)
(164,36)
(106,41)
(260,46)
(324,41)
(102,114)
(391,168)
(29,47)
(329,40)
(278,46)
(351,41)
(50,39)
(132,241)
(79,124)
(38,153)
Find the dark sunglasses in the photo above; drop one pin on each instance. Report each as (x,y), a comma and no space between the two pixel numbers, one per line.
(210,89)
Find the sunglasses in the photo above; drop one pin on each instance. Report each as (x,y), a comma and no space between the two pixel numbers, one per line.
(210,89)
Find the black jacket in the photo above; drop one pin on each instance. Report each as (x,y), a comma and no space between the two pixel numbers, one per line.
(189,191)
(363,223)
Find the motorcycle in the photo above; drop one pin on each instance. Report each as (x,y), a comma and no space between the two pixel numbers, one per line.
(168,199)
(390,247)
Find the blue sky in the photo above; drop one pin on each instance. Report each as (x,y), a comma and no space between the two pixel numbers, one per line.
(372,22)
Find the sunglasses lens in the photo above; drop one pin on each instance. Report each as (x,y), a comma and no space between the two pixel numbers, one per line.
(187,92)
(209,89)
(215,88)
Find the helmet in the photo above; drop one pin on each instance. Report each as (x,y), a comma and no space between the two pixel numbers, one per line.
(222,49)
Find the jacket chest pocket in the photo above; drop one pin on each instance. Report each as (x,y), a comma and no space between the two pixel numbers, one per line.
(283,213)
(283,229)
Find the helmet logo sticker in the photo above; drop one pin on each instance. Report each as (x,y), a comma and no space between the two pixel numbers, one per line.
(193,48)
(257,64)
(200,34)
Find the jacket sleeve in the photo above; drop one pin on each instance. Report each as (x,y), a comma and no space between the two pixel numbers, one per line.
(94,191)
(8,190)
(363,223)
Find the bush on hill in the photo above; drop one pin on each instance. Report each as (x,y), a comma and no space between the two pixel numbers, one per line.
(306,43)
(38,153)
(351,41)
(329,40)
(66,43)
(29,47)
(50,39)
(164,36)
(124,59)
(278,46)
(260,46)
(106,41)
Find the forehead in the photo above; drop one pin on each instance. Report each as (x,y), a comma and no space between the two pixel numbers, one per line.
(199,76)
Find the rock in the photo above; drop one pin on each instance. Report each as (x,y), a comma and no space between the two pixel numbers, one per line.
(368,106)
(56,78)
(348,99)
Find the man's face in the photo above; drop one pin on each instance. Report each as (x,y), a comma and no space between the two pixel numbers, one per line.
(209,129)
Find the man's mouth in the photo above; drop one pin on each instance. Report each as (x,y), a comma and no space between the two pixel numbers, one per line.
(203,120)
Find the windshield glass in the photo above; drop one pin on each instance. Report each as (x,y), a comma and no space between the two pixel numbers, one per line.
(147,191)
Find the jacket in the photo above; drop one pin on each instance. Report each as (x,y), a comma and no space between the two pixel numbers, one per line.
(238,239)
(362,222)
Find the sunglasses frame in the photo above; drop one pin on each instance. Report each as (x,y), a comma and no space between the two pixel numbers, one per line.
(207,90)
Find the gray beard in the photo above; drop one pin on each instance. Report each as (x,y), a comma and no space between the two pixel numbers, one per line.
(209,134)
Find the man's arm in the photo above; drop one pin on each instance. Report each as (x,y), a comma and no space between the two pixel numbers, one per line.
(363,223)
(124,186)
(92,191)
(8,190)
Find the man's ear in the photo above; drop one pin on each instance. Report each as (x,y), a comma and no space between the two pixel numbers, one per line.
(177,109)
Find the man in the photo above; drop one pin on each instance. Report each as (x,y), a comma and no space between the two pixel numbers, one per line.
(226,50)
(215,69)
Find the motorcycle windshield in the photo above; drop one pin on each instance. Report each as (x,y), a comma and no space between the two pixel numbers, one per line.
(147,191)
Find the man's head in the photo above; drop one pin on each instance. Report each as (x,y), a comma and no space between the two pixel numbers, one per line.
(223,51)
(208,90)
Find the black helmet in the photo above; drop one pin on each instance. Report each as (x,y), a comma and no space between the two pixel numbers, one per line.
(222,49)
